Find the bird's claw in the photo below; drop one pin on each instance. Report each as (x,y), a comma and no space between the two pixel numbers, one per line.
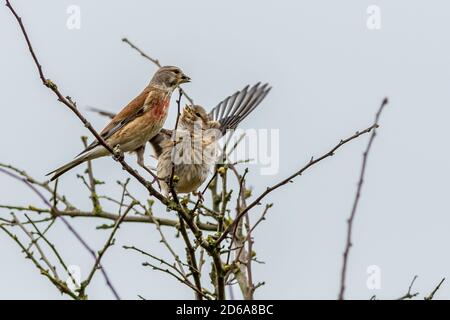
(155,177)
(118,153)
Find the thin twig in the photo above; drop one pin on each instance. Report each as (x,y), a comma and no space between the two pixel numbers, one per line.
(224,198)
(248,236)
(357,197)
(156,62)
(41,235)
(44,185)
(142,53)
(180,277)
(122,198)
(174,140)
(73,107)
(311,163)
(192,260)
(37,246)
(409,295)
(157,225)
(109,216)
(431,295)
(241,180)
(101,253)
(199,199)
(62,286)
(68,225)
(96,207)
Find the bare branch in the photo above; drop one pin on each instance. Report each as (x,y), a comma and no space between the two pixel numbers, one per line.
(311,163)
(109,216)
(431,295)
(357,197)
(142,53)
(261,219)
(68,225)
(73,107)
(37,246)
(192,260)
(101,253)
(409,295)
(44,185)
(59,284)
(156,62)
(96,207)
(41,235)
(177,275)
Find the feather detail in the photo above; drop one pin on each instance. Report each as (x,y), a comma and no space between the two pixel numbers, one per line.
(235,108)
(151,99)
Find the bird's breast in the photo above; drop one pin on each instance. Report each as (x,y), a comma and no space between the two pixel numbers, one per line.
(160,108)
(154,118)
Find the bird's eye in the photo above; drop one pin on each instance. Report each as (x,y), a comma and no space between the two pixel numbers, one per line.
(176,71)
(198,114)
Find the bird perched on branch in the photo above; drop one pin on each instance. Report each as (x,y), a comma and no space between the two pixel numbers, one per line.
(137,123)
(193,151)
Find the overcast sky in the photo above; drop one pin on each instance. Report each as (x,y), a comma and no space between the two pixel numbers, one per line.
(329,73)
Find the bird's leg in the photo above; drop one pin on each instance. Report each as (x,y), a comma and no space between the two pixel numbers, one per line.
(140,160)
(118,153)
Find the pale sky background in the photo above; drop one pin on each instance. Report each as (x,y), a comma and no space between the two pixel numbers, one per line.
(329,73)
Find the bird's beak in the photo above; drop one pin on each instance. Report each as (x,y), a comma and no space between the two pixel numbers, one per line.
(184,78)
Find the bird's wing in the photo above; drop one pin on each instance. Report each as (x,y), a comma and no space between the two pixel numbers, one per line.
(133,110)
(102,112)
(232,110)
(158,140)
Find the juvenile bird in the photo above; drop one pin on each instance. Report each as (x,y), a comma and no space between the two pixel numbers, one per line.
(137,123)
(193,151)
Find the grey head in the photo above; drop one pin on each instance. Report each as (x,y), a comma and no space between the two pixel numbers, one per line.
(169,77)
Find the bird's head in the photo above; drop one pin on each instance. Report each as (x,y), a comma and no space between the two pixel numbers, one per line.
(194,116)
(169,77)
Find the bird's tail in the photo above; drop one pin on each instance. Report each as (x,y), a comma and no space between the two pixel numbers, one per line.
(68,166)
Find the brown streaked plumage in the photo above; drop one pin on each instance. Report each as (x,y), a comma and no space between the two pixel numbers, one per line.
(194,151)
(137,123)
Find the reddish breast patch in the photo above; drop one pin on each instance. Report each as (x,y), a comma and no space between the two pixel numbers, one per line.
(160,109)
